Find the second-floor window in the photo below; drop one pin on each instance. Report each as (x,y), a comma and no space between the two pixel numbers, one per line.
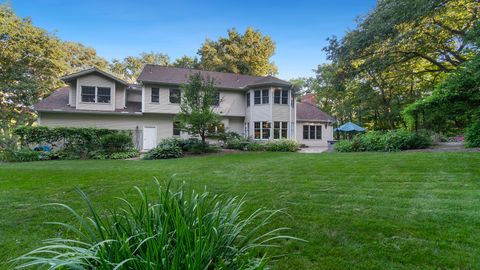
(155,95)
(175,96)
(92,94)
(248,99)
(261,96)
(280,96)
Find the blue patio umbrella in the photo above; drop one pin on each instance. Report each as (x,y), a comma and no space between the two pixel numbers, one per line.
(350,127)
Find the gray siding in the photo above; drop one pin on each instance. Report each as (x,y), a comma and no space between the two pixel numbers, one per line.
(95,80)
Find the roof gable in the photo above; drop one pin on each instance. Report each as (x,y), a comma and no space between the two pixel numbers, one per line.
(89,71)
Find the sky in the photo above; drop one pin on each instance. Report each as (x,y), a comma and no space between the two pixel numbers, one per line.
(117,29)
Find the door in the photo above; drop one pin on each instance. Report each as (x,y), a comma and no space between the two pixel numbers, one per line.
(149,137)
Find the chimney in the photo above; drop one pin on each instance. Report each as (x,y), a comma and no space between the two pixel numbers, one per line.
(309,98)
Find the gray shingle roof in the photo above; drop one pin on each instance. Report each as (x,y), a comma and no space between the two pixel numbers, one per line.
(309,112)
(172,75)
(75,75)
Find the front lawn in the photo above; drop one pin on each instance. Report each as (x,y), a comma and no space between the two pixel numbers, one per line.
(357,210)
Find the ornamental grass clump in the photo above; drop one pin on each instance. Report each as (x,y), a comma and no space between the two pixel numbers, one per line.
(173,229)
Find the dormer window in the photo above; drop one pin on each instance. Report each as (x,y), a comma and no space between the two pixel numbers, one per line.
(92,94)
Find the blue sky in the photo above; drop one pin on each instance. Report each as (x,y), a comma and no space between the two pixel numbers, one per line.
(120,28)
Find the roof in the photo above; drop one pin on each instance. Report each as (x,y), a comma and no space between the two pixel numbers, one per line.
(350,127)
(309,112)
(75,75)
(173,75)
(58,102)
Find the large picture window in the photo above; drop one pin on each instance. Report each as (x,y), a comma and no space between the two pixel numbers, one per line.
(312,132)
(92,94)
(88,94)
(155,95)
(262,130)
(280,96)
(175,96)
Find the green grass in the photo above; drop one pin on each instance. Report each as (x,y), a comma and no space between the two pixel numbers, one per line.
(357,210)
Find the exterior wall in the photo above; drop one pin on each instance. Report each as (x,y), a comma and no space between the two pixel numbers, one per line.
(95,80)
(134,96)
(163,106)
(72,94)
(232,103)
(327,134)
(134,123)
(120,96)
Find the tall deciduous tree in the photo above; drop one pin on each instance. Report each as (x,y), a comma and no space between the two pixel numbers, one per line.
(186,62)
(196,108)
(79,57)
(130,67)
(31,61)
(249,53)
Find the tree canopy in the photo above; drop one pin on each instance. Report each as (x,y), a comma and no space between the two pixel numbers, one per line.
(249,53)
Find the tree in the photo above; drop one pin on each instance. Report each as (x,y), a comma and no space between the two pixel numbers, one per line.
(130,67)
(31,61)
(248,54)
(78,57)
(186,62)
(196,108)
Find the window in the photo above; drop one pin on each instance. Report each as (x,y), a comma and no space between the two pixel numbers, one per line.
(312,132)
(216,99)
(265,130)
(248,99)
(88,94)
(262,130)
(285,97)
(155,95)
(103,95)
(257,97)
(216,129)
(280,130)
(175,96)
(265,96)
(280,96)
(176,129)
(292,101)
(247,129)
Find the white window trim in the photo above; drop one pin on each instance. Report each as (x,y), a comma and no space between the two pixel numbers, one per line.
(281,96)
(261,97)
(280,130)
(96,95)
(261,130)
(151,94)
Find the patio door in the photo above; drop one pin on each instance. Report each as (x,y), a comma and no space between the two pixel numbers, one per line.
(149,137)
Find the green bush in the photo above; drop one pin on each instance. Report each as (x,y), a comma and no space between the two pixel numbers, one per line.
(472,135)
(282,146)
(168,148)
(389,141)
(23,155)
(240,143)
(175,228)
(129,153)
(255,146)
(116,142)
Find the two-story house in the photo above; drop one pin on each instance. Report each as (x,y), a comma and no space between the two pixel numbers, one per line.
(262,108)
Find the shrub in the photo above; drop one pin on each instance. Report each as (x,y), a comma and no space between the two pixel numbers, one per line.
(385,141)
(116,142)
(168,148)
(173,229)
(255,146)
(23,155)
(130,153)
(472,135)
(237,143)
(282,146)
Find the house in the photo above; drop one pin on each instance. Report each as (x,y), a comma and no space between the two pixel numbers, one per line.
(263,108)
